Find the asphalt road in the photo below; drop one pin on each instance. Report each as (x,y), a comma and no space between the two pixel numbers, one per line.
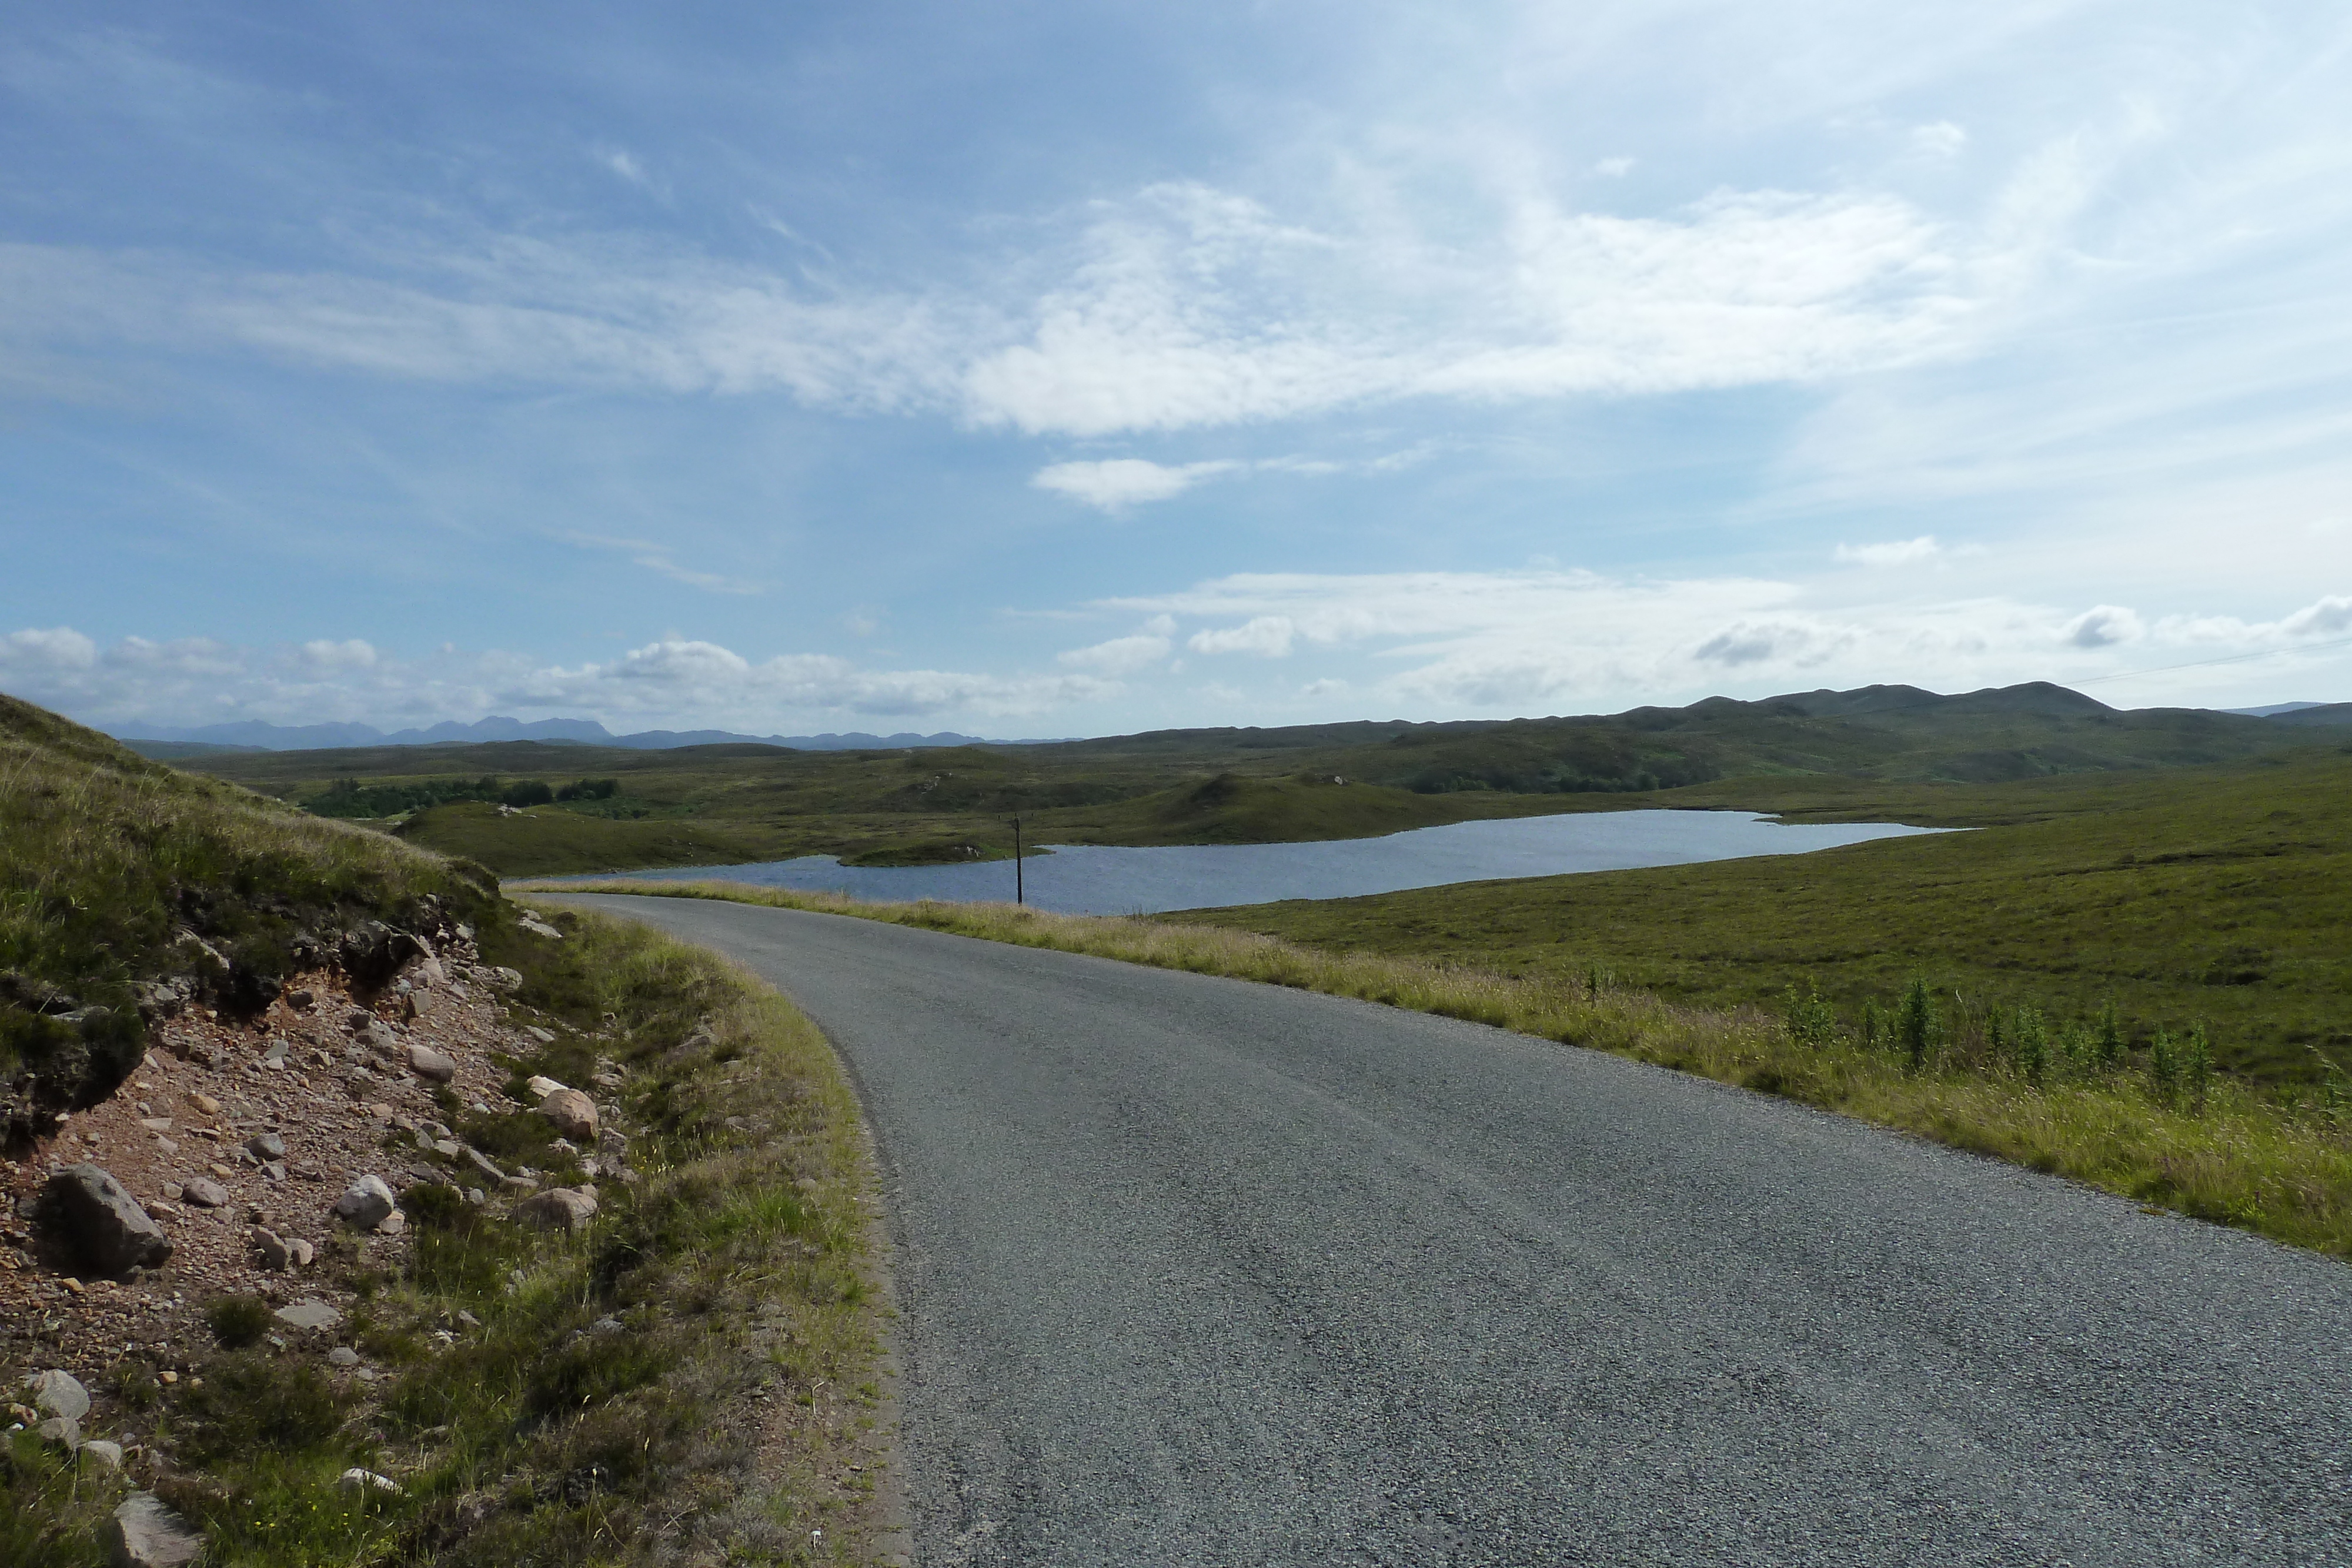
(1197,1271)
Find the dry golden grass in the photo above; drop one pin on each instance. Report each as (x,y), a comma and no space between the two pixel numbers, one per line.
(2246,1157)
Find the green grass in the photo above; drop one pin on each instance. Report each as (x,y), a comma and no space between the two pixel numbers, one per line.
(2220,895)
(114,870)
(719,804)
(2259,1157)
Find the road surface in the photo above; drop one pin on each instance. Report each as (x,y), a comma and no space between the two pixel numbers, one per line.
(1204,1272)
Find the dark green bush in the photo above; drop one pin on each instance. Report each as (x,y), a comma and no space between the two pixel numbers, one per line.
(238,1321)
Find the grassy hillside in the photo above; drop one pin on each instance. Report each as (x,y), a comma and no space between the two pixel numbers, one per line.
(2219,894)
(115,871)
(689,1378)
(716,804)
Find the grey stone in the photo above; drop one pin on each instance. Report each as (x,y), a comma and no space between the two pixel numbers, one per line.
(309,1313)
(301,1252)
(276,1051)
(275,1253)
(104,1223)
(544,1035)
(144,1533)
(360,1480)
(574,1113)
(484,1163)
(267,1146)
(607,1327)
(343,1356)
(427,1062)
(364,1205)
(105,1455)
(206,1193)
(558,1208)
(59,1393)
(391,1224)
(61,1432)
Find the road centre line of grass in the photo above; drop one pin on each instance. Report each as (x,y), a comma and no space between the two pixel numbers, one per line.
(2246,1157)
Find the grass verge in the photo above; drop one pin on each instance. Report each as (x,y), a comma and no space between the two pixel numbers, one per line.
(689,1379)
(2237,1153)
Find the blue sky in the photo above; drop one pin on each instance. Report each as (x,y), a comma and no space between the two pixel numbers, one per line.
(1057,369)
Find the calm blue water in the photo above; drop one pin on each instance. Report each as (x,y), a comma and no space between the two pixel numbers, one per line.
(1088,880)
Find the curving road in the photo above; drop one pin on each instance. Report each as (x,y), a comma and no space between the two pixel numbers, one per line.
(1197,1271)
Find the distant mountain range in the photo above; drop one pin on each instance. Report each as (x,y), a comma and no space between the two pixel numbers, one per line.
(255,736)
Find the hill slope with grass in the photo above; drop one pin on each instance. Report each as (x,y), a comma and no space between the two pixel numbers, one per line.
(240,1009)
(578,807)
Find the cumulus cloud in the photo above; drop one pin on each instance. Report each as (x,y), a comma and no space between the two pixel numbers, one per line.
(2103,626)
(1118,483)
(2330,616)
(675,683)
(1898,552)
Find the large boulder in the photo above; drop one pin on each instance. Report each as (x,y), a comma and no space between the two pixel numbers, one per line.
(574,1113)
(563,1208)
(426,1062)
(144,1533)
(102,1223)
(365,1204)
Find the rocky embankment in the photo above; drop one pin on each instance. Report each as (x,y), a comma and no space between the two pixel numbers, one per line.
(265,1157)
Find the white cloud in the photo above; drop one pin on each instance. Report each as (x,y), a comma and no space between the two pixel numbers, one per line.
(2332,616)
(1940,140)
(2102,626)
(1613,168)
(1896,553)
(1119,483)
(625,164)
(352,654)
(1267,637)
(658,558)
(677,683)
(1119,656)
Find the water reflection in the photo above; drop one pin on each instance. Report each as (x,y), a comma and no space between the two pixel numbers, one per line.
(1094,880)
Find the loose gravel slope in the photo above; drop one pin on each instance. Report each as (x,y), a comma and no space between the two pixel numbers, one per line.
(1199,1272)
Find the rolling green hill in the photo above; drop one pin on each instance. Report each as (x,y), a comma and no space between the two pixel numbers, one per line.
(718,804)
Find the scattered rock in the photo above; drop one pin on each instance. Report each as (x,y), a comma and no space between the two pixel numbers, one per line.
(103,1223)
(427,1062)
(105,1455)
(505,980)
(309,1313)
(540,1088)
(574,1113)
(343,1356)
(607,1327)
(360,1480)
(301,1251)
(371,953)
(144,1533)
(558,1208)
(267,1146)
(59,1393)
(378,1036)
(275,1253)
(538,927)
(391,1224)
(301,1001)
(206,1193)
(205,1104)
(364,1205)
(61,1432)
(276,1055)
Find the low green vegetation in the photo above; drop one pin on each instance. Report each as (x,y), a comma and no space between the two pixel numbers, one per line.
(2205,896)
(2156,1125)
(750,803)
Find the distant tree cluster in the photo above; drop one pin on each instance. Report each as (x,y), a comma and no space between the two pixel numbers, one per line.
(351,798)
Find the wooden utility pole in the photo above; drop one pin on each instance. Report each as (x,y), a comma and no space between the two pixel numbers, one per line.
(1020,893)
